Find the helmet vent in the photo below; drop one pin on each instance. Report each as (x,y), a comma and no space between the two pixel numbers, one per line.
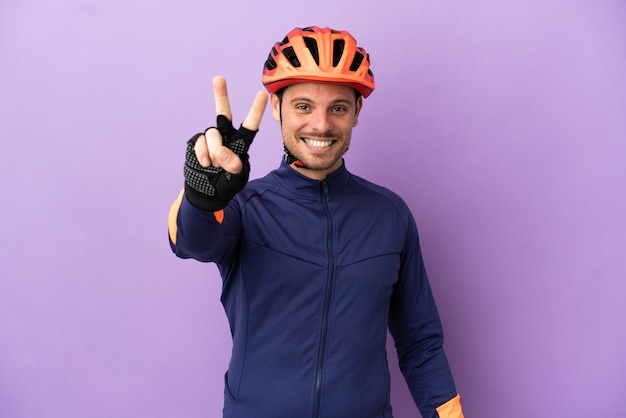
(356,62)
(290,54)
(270,64)
(311,43)
(338,46)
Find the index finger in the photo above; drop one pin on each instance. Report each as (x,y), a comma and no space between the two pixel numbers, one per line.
(222,105)
(253,120)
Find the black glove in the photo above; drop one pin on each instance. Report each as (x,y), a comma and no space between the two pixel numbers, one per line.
(212,188)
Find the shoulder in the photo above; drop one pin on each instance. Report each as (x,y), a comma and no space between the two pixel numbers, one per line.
(381,193)
(257,188)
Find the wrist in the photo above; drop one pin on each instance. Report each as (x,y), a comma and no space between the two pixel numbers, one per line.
(204,201)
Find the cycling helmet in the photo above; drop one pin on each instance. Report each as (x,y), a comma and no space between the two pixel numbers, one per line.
(314,54)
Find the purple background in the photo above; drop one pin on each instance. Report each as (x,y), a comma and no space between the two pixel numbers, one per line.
(502,124)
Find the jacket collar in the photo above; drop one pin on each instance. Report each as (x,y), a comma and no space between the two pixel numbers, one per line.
(295,183)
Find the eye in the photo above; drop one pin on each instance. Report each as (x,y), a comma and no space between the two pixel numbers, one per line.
(302,107)
(339,109)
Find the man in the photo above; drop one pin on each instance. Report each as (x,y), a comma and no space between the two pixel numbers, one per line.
(316,263)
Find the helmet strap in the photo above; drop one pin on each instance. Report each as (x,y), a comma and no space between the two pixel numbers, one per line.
(291,159)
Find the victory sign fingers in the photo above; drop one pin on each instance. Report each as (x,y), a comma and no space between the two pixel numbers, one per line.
(209,149)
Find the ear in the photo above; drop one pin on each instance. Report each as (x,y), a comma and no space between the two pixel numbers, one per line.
(359,105)
(275,104)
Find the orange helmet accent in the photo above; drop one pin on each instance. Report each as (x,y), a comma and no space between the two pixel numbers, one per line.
(320,55)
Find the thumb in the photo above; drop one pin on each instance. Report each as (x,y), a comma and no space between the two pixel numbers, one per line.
(229,161)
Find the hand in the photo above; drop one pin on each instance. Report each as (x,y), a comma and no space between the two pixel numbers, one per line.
(209,148)
(216,164)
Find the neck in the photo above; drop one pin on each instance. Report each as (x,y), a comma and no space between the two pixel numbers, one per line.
(319,175)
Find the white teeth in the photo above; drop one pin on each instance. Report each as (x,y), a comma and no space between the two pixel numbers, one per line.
(317,143)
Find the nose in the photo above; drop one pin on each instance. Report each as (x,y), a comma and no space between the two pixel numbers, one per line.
(320,121)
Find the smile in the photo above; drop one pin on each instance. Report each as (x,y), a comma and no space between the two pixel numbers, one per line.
(317,143)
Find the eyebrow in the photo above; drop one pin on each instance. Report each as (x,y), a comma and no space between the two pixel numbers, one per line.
(334,102)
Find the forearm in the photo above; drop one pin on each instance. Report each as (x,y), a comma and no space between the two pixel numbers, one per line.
(199,234)
(431,384)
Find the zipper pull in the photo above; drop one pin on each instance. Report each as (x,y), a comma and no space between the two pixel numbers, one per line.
(325,188)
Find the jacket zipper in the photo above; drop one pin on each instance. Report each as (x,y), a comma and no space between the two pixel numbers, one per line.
(330,277)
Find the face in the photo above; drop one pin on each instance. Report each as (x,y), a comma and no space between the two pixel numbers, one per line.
(316,123)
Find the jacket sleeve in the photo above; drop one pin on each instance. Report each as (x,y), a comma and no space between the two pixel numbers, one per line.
(416,328)
(201,235)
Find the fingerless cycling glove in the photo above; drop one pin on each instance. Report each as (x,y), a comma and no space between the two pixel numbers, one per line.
(211,188)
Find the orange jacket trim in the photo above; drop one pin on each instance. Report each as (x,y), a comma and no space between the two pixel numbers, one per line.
(451,409)
(172,226)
